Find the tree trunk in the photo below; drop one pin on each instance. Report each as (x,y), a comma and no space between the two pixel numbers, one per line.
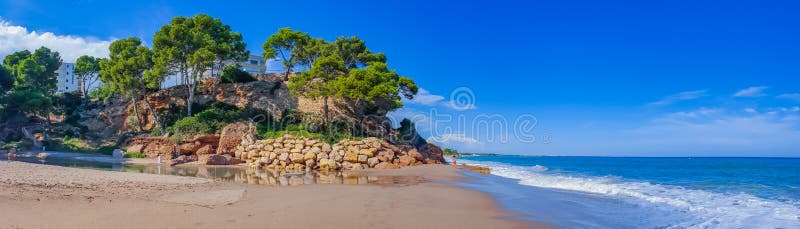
(325,110)
(49,126)
(82,86)
(136,113)
(219,77)
(189,90)
(286,77)
(190,100)
(153,114)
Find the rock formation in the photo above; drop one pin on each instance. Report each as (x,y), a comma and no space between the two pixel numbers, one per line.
(299,153)
(152,147)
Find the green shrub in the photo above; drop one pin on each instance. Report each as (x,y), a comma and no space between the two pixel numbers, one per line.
(233,74)
(190,126)
(107,150)
(135,155)
(22,144)
(209,121)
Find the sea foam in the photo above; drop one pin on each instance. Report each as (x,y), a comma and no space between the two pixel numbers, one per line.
(705,209)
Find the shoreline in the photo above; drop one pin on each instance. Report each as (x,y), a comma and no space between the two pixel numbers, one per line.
(101,199)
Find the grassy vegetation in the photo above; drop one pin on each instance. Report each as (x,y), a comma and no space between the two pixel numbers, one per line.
(135,155)
(21,144)
(77,145)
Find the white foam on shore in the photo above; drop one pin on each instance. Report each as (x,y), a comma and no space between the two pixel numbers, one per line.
(707,209)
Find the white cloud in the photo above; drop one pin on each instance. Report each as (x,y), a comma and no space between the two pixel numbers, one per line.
(792,96)
(452,138)
(460,107)
(719,131)
(682,96)
(424,97)
(751,92)
(16,38)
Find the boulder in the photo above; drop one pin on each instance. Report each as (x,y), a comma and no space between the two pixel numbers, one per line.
(432,153)
(212,159)
(235,161)
(386,156)
(372,162)
(153,147)
(362,158)
(370,152)
(206,149)
(297,157)
(182,159)
(283,157)
(385,165)
(405,160)
(311,163)
(351,156)
(327,164)
(310,156)
(232,135)
(118,154)
(190,146)
(416,155)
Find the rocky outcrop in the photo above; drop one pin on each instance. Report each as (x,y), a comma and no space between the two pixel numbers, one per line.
(298,153)
(201,144)
(232,136)
(152,147)
(431,153)
(182,159)
(212,159)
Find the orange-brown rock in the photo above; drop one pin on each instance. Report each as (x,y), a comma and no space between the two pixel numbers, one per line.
(416,155)
(212,159)
(432,154)
(182,159)
(405,160)
(235,161)
(231,137)
(206,149)
(154,146)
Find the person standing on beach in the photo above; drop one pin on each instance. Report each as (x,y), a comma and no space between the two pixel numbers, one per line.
(453,159)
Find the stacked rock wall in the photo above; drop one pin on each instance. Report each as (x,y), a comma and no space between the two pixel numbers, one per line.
(298,154)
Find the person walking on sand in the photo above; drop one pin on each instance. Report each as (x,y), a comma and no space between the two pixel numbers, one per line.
(453,159)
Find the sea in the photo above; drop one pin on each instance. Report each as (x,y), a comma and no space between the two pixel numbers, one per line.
(644,192)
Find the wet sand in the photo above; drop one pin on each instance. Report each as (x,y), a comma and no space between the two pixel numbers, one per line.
(43,196)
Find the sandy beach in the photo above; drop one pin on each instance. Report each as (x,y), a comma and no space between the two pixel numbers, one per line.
(43,196)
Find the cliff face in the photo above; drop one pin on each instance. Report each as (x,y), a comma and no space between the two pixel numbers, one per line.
(271,96)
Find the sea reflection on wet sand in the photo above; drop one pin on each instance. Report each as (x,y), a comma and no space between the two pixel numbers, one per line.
(276,177)
(238,174)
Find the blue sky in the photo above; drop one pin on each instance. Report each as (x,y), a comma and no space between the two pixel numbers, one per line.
(631,78)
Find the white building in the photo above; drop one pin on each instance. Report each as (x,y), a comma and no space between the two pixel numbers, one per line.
(254,65)
(67,80)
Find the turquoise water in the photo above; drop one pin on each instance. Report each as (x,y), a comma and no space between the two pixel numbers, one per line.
(666,192)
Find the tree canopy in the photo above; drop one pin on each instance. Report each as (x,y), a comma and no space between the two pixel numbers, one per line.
(130,70)
(124,70)
(289,46)
(354,52)
(189,46)
(345,68)
(35,71)
(87,69)
(6,80)
(376,83)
